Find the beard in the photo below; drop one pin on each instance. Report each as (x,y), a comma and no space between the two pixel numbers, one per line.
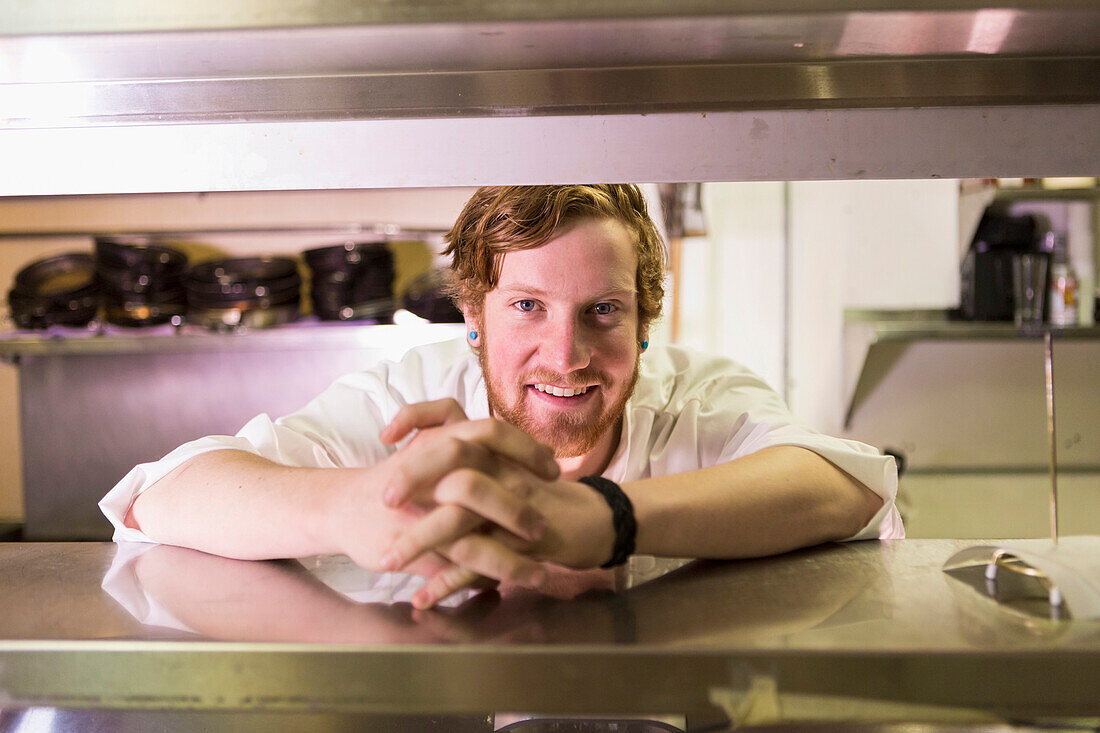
(568,434)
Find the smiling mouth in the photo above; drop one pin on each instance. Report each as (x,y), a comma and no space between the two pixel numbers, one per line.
(554,391)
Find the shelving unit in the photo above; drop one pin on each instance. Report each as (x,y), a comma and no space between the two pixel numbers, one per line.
(307,334)
(869,334)
(1034,193)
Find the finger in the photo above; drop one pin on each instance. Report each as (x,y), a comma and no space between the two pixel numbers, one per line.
(496,501)
(421,415)
(491,558)
(456,519)
(510,442)
(442,525)
(442,585)
(419,475)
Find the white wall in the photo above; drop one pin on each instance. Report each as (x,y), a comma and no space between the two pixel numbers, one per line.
(781,261)
(733,301)
(861,244)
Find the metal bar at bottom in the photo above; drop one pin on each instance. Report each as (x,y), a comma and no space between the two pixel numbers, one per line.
(1044,682)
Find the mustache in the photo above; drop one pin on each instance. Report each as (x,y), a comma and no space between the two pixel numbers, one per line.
(583,378)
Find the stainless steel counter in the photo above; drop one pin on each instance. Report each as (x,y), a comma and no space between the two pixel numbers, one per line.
(877,621)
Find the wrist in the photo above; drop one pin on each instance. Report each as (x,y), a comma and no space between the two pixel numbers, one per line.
(338,495)
(624,528)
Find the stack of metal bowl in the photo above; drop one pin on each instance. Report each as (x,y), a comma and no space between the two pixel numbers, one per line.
(352,281)
(243,292)
(141,282)
(55,291)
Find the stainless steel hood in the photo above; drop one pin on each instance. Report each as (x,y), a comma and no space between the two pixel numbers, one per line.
(216,77)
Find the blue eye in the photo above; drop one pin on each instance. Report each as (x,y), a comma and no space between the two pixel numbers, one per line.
(603,309)
(526,305)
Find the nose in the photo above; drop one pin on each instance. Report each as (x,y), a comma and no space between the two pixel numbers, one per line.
(564,346)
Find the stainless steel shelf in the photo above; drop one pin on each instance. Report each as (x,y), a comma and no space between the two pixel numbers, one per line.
(1028,193)
(240,95)
(866,330)
(129,16)
(308,335)
(354,229)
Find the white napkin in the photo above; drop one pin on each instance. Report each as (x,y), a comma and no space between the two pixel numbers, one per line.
(1073,565)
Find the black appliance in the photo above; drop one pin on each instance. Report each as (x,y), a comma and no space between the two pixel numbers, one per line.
(987,267)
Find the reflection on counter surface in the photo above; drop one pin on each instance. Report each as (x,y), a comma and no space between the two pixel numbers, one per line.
(817,598)
(873,621)
(330,600)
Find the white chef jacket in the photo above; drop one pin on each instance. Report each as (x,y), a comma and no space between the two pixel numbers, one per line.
(688,411)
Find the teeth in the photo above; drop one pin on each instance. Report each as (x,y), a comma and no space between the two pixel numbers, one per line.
(561,391)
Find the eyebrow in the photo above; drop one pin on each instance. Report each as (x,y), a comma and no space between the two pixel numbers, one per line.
(538,292)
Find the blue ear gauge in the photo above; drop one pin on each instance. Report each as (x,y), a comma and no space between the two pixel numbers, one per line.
(645,345)
(473,335)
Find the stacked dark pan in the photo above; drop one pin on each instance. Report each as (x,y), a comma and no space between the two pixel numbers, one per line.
(352,281)
(138,282)
(243,292)
(56,291)
(141,282)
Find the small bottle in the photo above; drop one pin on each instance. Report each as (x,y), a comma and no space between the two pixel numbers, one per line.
(1065,289)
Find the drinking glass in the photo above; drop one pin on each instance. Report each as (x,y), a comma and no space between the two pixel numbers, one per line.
(1029,288)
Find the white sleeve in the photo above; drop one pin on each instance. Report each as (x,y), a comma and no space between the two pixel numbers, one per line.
(860,461)
(765,422)
(713,411)
(337,429)
(260,436)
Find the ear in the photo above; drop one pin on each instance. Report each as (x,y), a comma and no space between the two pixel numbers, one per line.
(473,326)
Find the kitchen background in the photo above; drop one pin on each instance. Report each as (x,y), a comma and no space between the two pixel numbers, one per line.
(781,276)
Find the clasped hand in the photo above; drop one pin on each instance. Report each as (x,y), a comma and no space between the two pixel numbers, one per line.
(489,499)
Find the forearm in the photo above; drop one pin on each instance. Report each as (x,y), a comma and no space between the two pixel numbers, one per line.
(236,504)
(776,500)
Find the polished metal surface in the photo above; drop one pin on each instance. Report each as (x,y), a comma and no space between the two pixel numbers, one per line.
(132,15)
(903,325)
(597,83)
(413,60)
(769,145)
(556,33)
(57,720)
(354,229)
(1052,441)
(91,408)
(306,336)
(881,334)
(588,91)
(60,720)
(874,620)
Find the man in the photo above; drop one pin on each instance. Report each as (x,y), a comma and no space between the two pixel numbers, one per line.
(561,440)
